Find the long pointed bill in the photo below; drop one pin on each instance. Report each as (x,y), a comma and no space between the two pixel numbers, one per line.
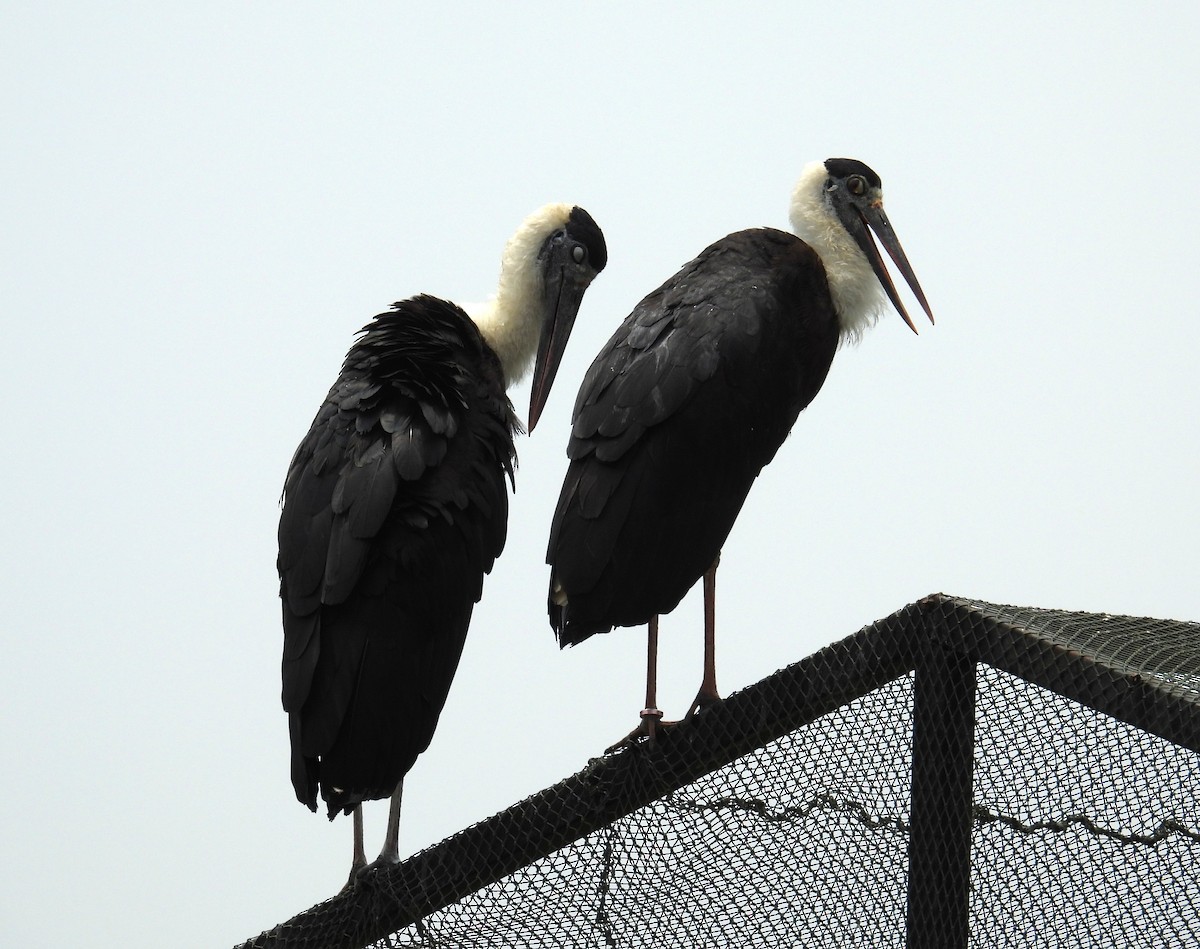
(563,297)
(879,223)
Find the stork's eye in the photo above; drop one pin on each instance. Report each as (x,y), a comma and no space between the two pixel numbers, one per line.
(857,184)
(578,254)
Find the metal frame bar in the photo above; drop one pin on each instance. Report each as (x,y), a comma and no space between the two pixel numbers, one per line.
(613,786)
(939,843)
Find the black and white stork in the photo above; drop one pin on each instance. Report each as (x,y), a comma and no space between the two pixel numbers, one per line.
(694,394)
(395,507)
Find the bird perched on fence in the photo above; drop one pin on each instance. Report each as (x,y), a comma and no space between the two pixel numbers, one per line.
(693,395)
(395,507)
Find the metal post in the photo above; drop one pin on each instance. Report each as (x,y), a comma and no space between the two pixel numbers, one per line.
(939,847)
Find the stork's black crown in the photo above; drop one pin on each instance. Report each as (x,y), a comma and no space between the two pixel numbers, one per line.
(581,227)
(844,167)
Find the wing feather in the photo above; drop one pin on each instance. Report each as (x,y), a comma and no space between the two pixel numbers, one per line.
(676,416)
(395,506)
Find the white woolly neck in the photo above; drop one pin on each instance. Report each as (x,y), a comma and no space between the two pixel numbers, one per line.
(511,321)
(858,296)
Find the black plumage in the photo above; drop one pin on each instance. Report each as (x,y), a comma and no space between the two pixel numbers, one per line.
(721,353)
(695,393)
(395,508)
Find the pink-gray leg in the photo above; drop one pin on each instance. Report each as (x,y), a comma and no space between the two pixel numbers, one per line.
(708,694)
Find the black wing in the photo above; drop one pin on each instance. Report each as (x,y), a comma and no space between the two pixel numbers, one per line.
(395,507)
(677,415)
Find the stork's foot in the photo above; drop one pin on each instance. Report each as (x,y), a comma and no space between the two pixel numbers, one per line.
(359,872)
(652,723)
(383,860)
(705,698)
(356,870)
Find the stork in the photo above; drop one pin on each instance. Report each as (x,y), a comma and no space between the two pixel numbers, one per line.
(693,395)
(395,507)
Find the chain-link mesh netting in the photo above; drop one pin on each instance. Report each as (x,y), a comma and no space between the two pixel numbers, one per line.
(887,791)
(1087,830)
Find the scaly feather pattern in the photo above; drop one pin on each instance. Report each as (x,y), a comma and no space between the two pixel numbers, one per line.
(395,507)
(679,412)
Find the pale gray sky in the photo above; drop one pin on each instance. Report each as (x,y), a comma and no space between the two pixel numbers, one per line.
(202,203)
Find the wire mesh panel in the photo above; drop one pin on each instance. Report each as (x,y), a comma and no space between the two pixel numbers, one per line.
(801,842)
(1087,830)
(957,774)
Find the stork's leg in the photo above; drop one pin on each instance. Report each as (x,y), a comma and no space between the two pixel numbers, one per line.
(360,857)
(391,841)
(358,863)
(708,694)
(651,714)
(390,854)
